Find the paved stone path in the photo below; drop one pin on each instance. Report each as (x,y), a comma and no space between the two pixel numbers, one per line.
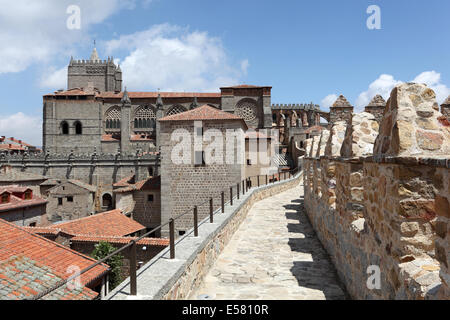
(275,254)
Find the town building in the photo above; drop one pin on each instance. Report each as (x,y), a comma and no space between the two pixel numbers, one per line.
(20,206)
(70,199)
(30,264)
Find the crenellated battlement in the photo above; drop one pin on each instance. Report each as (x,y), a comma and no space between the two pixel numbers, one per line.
(298,106)
(379,196)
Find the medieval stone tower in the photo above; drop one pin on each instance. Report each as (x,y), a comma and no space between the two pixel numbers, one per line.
(102,75)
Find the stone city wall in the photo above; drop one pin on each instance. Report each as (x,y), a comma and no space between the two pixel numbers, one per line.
(165,279)
(98,170)
(384,200)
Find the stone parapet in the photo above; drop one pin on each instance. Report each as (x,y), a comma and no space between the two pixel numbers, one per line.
(389,210)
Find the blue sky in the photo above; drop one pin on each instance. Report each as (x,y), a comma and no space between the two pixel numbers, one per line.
(307,50)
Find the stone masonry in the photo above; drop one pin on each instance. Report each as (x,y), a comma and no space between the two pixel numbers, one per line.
(389,209)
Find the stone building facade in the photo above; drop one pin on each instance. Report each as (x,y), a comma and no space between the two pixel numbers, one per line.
(187,179)
(71,199)
(93,114)
(20,206)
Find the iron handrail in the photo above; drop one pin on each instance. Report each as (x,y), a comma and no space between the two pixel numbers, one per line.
(133,242)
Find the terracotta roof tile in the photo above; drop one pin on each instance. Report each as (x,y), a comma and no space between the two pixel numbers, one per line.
(137,95)
(110,223)
(109,137)
(125,182)
(152,183)
(204,112)
(43,230)
(47,261)
(245,86)
(122,240)
(16,202)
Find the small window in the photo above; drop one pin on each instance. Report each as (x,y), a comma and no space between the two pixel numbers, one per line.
(28,195)
(150,198)
(60,201)
(33,224)
(69,199)
(5,198)
(249,162)
(64,127)
(181,232)
(78,128)
(199,158)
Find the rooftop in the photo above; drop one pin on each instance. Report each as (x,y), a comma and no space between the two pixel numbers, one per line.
(110,223)
(29,264)
(152,183)
(17,200)
(202,113)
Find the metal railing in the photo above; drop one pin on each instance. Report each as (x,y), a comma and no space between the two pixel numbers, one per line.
(241,189)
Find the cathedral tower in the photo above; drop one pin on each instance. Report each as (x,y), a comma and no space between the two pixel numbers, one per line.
(103,75)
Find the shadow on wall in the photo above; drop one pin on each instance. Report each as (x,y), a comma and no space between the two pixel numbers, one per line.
(319,273)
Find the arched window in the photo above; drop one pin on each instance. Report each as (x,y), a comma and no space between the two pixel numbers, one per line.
(64,127)
(176,110)
(107,202)
(78,128)
(112,119)
(150,171)
(144,118)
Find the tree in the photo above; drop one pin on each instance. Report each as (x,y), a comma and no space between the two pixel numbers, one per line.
(102,250)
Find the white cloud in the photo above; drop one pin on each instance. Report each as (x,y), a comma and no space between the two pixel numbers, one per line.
(382,86)
(328,101)
(244,66)
(23,127)
(36,31)
(386,82)
(54,79)
(174,59)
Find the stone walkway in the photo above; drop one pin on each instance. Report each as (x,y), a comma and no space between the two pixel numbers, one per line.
(275,254)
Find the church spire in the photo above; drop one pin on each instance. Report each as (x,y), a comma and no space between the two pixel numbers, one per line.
(194,104)
(94,54)
(159,102)
(125,99)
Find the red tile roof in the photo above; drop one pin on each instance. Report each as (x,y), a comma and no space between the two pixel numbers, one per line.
(245,86)
(204,112)
(138,137)
(152,183)
(110,223)
(29,264)
(10,146)
(43,230)
(109,137)
(122,240)
(125,182)
(21,142)
(16,202)
(72,92)
(137,95)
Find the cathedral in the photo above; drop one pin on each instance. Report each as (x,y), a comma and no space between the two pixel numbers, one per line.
(94,114)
